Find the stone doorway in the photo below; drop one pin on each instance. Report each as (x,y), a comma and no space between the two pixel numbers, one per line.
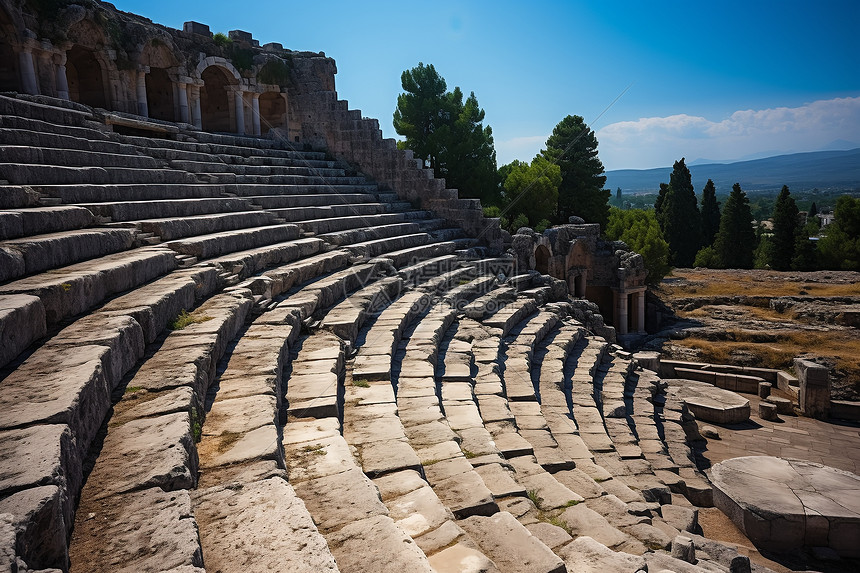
(159,95)
(86,81)
(216,95)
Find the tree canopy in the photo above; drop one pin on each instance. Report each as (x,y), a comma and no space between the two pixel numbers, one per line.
(532,189)
(573,146)
(639,229)
(840,246)
(736,241)
(447,132)
(679,216)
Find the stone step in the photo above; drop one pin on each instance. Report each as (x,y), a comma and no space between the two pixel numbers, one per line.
(216,144)
(166,208)
(40,111)
(328,210)
(298,202)
(16,223)
(22,321)
(212,166)
(74,157)
(337,186)
(151,439)
(424,270)
(509,316)
(511,546)
(78,288)
(34,174)
(348,229)
(325,291)
(18,130)
(250,261)
(311,179)
(34,254)
(347,317)
(388,245)
(88,192)
(425,251)
(169,229)
(216,244)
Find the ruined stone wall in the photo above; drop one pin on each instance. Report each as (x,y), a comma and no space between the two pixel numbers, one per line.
(91,53)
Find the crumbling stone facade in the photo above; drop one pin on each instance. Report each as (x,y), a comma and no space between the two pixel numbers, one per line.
(607,273)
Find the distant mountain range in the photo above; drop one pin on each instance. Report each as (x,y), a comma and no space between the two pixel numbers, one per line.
(826,170)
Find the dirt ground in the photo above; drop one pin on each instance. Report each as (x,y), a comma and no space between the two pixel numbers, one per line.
(766,318)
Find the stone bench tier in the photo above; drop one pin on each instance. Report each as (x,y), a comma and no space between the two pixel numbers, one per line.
(15,223)
(38,253)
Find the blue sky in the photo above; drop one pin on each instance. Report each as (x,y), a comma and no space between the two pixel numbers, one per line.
(717,80)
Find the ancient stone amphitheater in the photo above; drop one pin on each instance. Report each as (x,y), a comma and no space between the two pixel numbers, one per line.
(291,348)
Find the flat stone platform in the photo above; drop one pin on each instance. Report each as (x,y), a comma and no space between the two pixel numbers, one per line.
(712,404)
(781,504)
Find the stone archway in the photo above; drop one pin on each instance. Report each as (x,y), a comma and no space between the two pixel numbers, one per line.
(85,76)
(273,111)
(542,256)
(216,94)
(9,76)
(159,95)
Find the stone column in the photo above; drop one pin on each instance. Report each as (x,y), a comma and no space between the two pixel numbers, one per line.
(142,106)
(814,395)
(29,83)
(255,112)
(182,93)
(196,116)
(640,312)
(621,312)
(239,100)
(62,79)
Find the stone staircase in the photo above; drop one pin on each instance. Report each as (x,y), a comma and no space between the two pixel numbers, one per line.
(220,354)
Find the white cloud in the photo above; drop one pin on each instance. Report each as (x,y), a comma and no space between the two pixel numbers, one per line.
(659,141)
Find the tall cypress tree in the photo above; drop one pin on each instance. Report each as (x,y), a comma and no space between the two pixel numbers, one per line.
(735,242)
(785,226)
(682,222)
(710,214)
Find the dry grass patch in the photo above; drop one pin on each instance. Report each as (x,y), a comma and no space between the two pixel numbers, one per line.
(781,351)
(704,283)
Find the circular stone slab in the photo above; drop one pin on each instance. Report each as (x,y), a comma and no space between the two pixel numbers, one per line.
(781,504)
(712,404)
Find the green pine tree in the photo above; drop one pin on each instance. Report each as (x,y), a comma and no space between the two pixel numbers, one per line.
(785,225)
(710,214)
(735,242)
(573,146)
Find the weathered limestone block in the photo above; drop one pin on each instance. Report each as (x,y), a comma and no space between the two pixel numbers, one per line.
(59,388)
(262,526)
(783,503)
(376,545)
(586,555)
(164,535)
(767,411)
(460,557)
(41,530)
(145,453)
(121,334)
(341,499)
(22,320)
(418,511)
(510,545)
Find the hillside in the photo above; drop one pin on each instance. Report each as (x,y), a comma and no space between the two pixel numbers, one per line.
(834,170)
